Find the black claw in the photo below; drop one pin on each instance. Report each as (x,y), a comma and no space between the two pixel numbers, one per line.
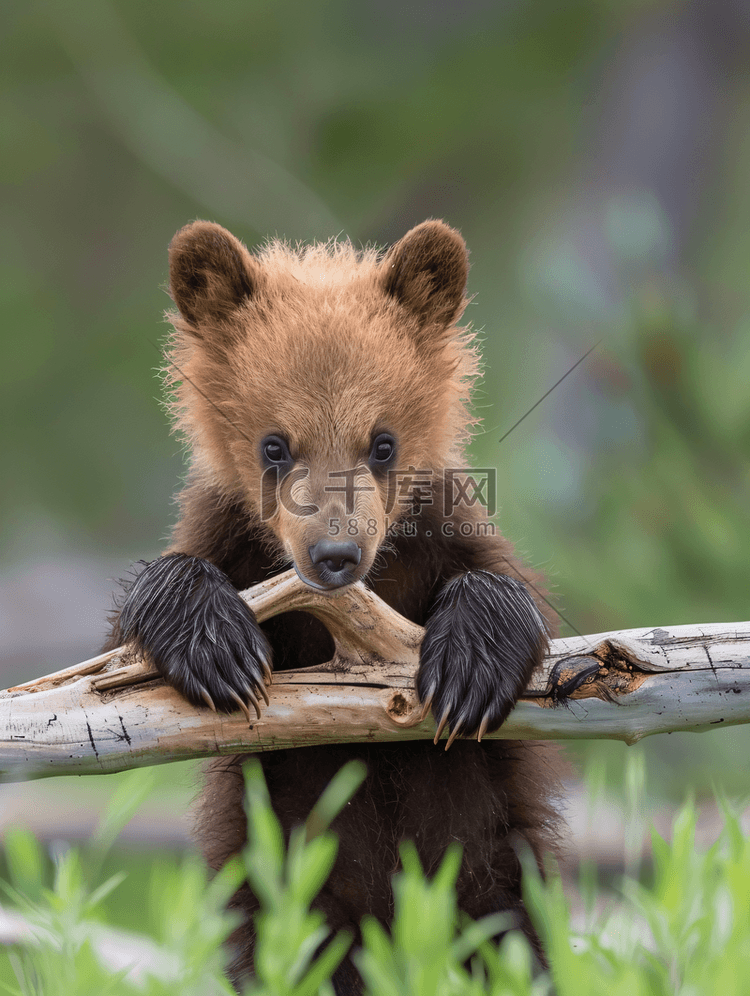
(262,689)
(251,697)
(454,733)
(243,705)
(441,725)
(426,706)
(207,699)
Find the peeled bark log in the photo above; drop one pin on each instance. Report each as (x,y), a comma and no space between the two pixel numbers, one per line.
(115,711)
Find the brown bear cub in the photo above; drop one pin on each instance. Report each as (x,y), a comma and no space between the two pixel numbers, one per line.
(323,391)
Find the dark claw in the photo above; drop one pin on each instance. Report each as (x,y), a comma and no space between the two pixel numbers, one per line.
(242,705)
(426,706)
(441,725)
(262,690)
(454,733)
(207,699)
(252,698)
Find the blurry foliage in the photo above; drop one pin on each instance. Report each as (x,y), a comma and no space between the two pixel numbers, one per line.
(121,121)
(678,925)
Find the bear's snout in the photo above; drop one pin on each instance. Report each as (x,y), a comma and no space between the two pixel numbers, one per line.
(334,561)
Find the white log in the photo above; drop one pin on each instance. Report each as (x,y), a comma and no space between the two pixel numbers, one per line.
(115,712)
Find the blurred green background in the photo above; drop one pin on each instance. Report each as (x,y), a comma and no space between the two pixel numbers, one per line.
(594,155)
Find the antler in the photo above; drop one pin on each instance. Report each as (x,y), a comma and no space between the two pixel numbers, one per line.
(115,711)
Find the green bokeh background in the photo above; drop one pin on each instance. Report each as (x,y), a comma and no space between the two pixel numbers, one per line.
(514,121)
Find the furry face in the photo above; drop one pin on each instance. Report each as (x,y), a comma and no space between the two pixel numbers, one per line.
(305,380)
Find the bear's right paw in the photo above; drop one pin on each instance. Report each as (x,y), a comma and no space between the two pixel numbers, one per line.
(482,641)
(186,615)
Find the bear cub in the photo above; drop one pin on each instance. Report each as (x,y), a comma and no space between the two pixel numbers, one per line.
(323,392)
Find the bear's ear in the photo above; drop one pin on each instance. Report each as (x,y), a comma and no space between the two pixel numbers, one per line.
(427,272)
(210,272)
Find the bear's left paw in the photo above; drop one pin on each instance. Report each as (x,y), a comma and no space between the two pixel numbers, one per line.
(187,616)
(483,639)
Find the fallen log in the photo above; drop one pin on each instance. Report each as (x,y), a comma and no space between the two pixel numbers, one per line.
(115,711)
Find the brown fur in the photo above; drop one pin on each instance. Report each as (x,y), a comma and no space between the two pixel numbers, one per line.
(325,346)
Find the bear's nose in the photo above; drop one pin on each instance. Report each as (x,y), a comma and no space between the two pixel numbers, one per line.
(333,557)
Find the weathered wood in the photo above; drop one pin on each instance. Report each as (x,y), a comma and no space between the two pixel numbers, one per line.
(114,711)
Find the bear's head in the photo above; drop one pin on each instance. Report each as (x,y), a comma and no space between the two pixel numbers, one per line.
(320,385)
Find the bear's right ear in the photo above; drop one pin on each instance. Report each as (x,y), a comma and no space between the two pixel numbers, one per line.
(427,271)
(210,272)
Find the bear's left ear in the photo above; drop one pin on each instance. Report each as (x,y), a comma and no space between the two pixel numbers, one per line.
(427,270)
(210,272)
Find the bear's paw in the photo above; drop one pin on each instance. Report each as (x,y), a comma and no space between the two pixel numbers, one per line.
(185,614)
(483,639)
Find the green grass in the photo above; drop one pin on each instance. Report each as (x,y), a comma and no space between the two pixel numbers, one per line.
(684,928)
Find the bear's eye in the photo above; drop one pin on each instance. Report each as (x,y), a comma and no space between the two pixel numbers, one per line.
(275,451)
(383,451)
